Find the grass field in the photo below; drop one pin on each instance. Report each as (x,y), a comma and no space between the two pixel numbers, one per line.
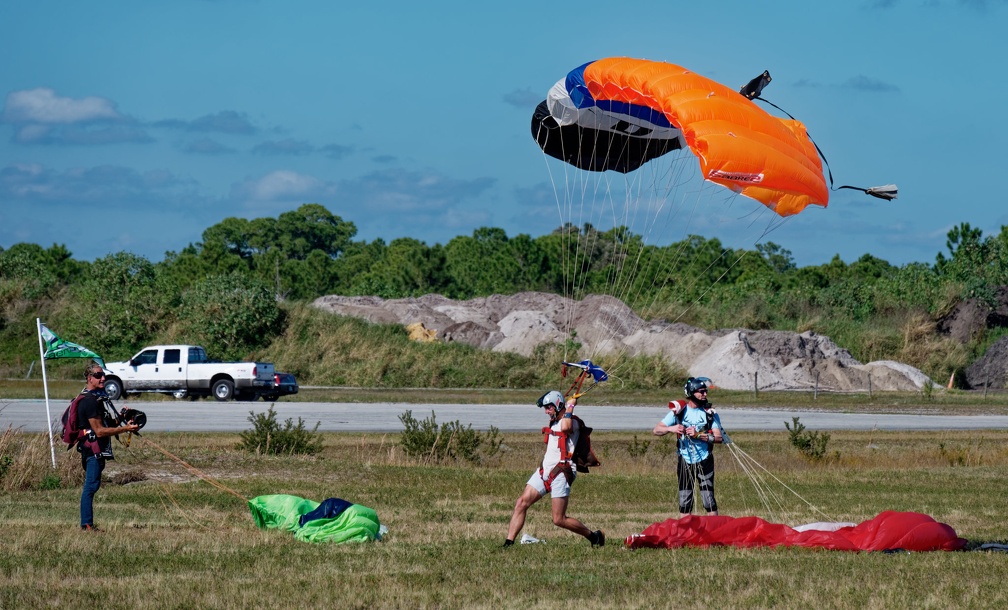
(173,540)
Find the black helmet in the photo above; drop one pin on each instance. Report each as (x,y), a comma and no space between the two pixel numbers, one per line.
(695,384)
(128,415)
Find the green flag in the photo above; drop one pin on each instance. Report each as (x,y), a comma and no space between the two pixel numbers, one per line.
(58,348)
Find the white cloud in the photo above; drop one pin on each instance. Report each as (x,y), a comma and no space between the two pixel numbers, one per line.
(280,185)
(42,105)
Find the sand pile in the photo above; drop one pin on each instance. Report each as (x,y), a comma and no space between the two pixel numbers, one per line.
(735,359)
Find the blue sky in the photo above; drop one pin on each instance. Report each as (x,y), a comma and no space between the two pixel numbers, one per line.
(134,125)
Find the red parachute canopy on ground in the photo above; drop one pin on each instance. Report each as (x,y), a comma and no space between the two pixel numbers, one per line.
(888,531)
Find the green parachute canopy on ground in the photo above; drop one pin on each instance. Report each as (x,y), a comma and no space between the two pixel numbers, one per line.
(334,520)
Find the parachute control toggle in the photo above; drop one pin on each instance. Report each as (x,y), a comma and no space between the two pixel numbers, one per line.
(587,368)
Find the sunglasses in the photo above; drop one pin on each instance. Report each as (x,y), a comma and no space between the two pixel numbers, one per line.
(98,375)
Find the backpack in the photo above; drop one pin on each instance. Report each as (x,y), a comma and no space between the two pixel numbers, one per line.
(84,439)
(72,433)
(584,456)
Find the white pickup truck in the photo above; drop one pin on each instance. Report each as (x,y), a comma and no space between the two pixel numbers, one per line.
(184,370)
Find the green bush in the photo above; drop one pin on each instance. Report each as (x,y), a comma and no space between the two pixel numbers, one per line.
(637,448)
(449,442)
(811,444)
(5,464)
(50,481)
(666,446)
(267,436)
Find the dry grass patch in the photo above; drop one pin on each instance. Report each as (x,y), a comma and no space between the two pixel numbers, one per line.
(189,544)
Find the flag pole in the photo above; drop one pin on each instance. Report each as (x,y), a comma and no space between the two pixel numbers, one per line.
(45,385)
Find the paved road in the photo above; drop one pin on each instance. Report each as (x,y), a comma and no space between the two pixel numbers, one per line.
(211,416)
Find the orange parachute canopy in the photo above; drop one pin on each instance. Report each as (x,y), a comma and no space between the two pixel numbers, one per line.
(619,113)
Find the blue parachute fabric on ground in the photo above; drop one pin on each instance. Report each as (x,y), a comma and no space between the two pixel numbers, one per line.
(329,509)
(355,524)
(351,523)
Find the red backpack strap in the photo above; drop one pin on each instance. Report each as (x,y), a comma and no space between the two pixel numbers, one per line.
(561,466)
(562,440)
(562,436)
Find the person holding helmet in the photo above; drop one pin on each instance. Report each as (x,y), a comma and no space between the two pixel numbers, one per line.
(556,473)
(698,428)
(92,415)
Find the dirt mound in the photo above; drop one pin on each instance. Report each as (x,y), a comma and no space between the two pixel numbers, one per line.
(735,359)
(991,369)
(967,321)
(971,317)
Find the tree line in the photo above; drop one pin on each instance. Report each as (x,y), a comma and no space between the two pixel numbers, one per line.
(228,291)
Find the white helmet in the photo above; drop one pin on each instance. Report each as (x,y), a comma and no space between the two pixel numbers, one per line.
(551,399)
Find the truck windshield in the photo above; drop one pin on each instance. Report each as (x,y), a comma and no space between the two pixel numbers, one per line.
(196,355)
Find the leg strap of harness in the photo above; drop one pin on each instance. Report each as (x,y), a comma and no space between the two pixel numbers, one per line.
(561,467)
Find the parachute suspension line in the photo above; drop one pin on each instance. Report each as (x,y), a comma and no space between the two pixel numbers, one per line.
(166,493)
(600,189)
(692,283)
(199,473)
(756,472)
(659,201)
(588,196)
(564,202)
(764,492)
(623,257)
(632,292)
(648,194)
(626,261)
(594,192)
(774,223)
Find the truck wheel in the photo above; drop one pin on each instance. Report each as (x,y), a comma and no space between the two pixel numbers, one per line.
(223,389)
(113,387)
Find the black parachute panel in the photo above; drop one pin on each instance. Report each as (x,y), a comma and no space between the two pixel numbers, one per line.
(596,150)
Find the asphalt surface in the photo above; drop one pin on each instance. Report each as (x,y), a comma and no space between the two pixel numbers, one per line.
(212,416)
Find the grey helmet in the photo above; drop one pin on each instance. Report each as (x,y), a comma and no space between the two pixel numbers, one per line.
(551,399)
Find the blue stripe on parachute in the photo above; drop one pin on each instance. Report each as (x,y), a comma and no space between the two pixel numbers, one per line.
(577,89)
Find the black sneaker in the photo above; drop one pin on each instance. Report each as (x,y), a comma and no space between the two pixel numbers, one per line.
(597,538)
(90,528)
(508,543)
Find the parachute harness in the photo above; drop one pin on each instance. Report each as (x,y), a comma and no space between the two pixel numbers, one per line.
(565,465)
